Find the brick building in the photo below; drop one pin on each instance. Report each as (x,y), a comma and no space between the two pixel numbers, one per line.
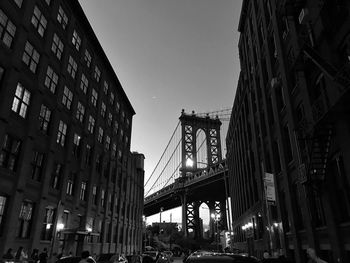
(68,179)
(290,119)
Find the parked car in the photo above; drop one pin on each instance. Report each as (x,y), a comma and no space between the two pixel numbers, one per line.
(111,258)
(71,259)
(212,257)
(151,254)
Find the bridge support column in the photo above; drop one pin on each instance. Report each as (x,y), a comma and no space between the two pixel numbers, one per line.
(184,213)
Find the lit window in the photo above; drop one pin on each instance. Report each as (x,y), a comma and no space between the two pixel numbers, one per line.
(18,3)
(10,152)
(72,67)
(87,58)
(47,228)
(97,74)
(21,101)
(114,150)
(57,46)
(62,18)
(84,83)
(76,40)
(30,57)
(67,97)
(91,124)
(103,109)
(94,97)
(37,166)
(61,134)
(105,87)
(82,195)
(76,144)
(44,118)
(56,176)
(25,219)
(109,120)
(100,135)
(80,112)
(39,21)
(107,143)
(51,79)
(7,29)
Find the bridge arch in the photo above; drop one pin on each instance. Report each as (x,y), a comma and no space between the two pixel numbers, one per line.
(201,147)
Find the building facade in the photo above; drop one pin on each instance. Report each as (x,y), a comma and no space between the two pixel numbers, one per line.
(68,179)
(290,125)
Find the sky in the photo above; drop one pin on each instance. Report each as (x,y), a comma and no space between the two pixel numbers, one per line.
(169,55)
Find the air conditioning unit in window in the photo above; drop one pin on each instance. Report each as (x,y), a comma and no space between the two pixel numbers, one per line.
(303,16)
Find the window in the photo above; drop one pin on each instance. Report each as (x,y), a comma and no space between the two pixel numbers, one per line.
(37,165)
(117,107)
(44,118)
(21,101)
(10,152)
(82,195)
(109,120)
(61,134)
(97,74)
(105,87)
(69,190)
(76,144)
(51,79)
(287,144)
(56,176)
(7,29)
(107,143)
(76,40)
(72,67)
(94,97)
(25,219)
(57,46)
(47,228)
(3,200)
(114,150)
(103,198)
(88,154)
(18,3)
(84,83)
(115,127)
(48,2)
(87,58)
(100,135)
(80,112)
(103,110)
(30,57)
(67,97)
(39,21)
(62,18)
(94,195)
(91,124)
(111,98)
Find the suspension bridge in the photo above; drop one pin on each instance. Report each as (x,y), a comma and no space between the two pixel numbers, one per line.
(191,171)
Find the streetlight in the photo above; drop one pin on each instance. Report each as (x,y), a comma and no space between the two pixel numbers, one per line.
(216,218)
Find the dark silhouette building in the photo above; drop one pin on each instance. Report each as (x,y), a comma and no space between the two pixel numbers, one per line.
(288,140)
(68,179)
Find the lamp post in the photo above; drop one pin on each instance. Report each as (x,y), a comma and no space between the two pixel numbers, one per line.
(216,218)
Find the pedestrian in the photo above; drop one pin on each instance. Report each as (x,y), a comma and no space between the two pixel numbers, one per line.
(34,257)
(24,256)
(313,258)
(8,255)
(43,256)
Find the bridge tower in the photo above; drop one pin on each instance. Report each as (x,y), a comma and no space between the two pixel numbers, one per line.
(191,124)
